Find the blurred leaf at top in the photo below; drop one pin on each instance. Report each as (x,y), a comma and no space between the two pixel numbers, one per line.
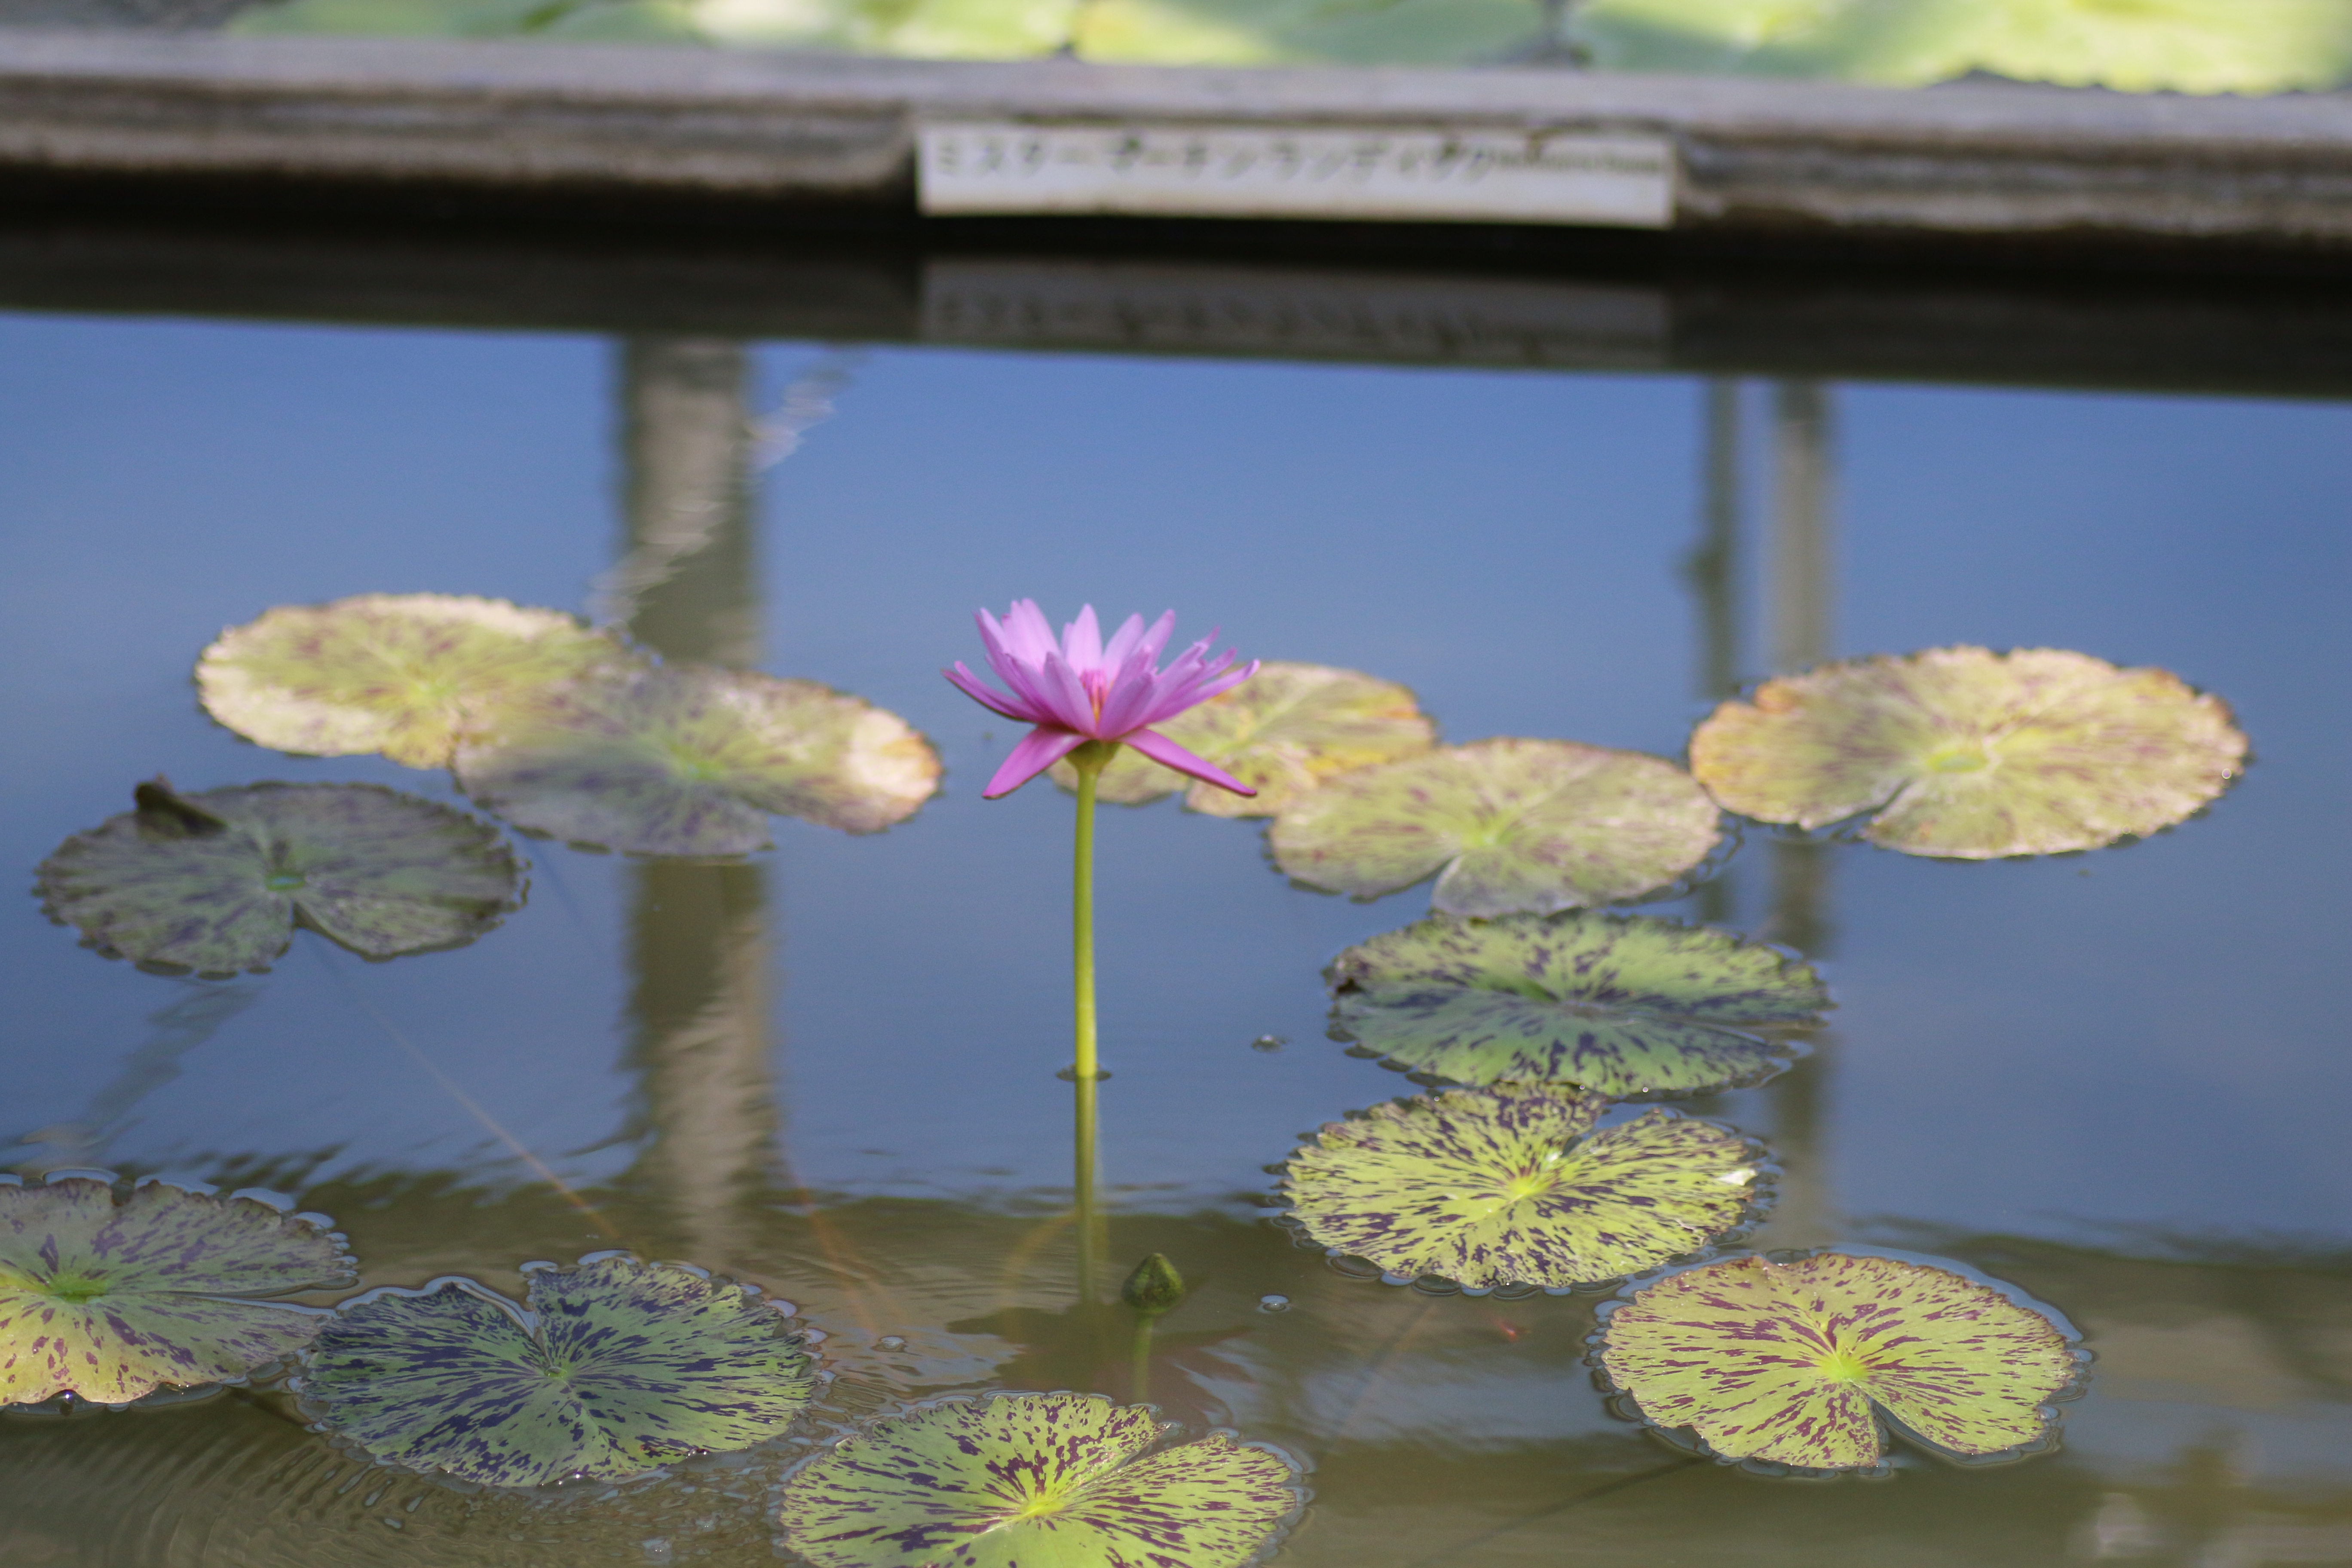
(110,1299)
(1282,731)
(1622,1005)
(617,1367)
(1511,1185)
(403,674)
(1505,826)
(2188,45)
(1783,1362)
(686,760)
(215,881)
(2134,46)
(1972,754)
(1035,1480)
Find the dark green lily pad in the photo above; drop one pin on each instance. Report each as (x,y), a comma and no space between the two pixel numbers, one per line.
(216,881)
(684,760)
(1622,1005)
(1511,1185)
(1504,826)
(1784,1361)
(110,1299)
(617,1367)
(1282,731)
(1972,754)
(1035,1480)
(403,674)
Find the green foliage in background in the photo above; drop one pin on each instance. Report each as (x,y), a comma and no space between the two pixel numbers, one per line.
(2138,46)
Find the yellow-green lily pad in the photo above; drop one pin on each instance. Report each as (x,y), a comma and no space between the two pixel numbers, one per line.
(617,1367)
(109,1299)
(1506,826)
(686,760)
(1511,1185)
(1035,1480)
(1967,753)
(1791,1362)
(1620,1004)
(215,881)
(1282,731)
(403,674)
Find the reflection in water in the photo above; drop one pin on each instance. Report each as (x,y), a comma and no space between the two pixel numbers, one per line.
(179,1027)
(687,587)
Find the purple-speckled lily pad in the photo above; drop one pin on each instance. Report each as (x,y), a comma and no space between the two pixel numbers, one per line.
(1035,1480)
(110,1300)
(1621,1005)
(1785,1361)
(1505,826)
(1510,1185)
(403,674)
(1972,754)
(684,760)
(617,1367)
(216,881)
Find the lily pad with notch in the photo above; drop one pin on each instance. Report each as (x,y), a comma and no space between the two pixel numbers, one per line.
(1513,1186)
(1970,754)
(110,1296)
(1505,826)
(615,1368)
(217,880)
(1037,1480)
(686,760)
(1282,731)
(1794,1363)
(403,674)
(1622,1005)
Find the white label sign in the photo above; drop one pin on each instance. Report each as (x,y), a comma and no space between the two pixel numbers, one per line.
(1235,170)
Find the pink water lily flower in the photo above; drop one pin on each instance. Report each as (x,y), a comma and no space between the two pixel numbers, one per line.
(1081,690)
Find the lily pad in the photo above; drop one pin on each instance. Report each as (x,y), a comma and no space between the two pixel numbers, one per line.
(1283,731)
(1035,1480)
(1972,754)
(1785,1361)
(1505,826)
(1511,1185)
(216,881)
(110,1298)
(1622,1005)
(617,1367)
(403,674)
(685,760)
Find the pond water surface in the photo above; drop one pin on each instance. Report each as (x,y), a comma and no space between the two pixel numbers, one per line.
(2116,1080)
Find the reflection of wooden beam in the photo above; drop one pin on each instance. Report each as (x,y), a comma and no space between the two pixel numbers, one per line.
(1803,582)
(687,588)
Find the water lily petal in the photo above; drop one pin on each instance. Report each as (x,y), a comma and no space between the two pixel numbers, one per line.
(1082,640)
(1168,754)
(987,696)
(1039,749)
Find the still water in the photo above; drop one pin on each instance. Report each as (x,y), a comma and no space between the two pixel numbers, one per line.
(2116,1080)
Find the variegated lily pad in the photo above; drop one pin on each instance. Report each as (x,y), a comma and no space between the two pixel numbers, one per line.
(1504,826)
(1622,1005)
(618,1366)
(403,674)
(1282,731)
(1511,1185)
(1035,1480)
(215,881)
(1972,755)
(684,759)
(1784,1361)
(110,1299)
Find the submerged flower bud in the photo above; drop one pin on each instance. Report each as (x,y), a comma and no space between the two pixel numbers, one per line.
(1154,1287)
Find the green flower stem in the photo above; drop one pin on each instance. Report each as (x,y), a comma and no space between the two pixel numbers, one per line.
(1140,1376)
(1089,759)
